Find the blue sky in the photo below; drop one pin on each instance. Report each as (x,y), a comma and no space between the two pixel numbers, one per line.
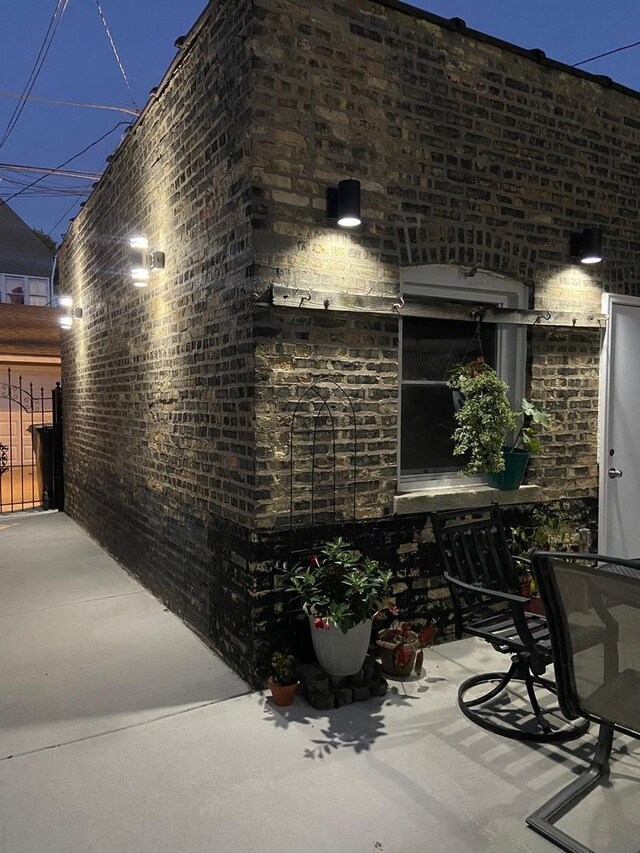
(80,66)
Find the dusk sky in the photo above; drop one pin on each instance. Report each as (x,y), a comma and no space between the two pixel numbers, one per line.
(80,66)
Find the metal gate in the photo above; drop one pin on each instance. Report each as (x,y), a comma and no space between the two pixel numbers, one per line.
(30,446)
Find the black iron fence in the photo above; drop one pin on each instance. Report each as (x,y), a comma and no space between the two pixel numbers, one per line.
(31,474)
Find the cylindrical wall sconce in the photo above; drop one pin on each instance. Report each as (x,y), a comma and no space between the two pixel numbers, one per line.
(138,248)
(586,245)
(142,261)
(343,203)
(66,319)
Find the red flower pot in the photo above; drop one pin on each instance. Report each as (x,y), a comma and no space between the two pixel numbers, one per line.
(282,694)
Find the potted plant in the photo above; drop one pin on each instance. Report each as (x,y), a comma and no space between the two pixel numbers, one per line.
(516,455)
(486,418)
(551,529)
(283,682)
(341,592)
(401,647)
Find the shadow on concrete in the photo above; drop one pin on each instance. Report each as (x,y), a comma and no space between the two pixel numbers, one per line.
(355,727)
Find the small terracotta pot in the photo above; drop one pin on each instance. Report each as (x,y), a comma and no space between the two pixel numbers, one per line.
(282,694)
(386,659)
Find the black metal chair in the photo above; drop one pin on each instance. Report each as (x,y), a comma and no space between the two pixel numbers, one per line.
(484,582)
(602,682)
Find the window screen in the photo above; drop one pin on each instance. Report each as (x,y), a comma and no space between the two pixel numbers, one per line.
(430,349)
(38,291)
(14,289)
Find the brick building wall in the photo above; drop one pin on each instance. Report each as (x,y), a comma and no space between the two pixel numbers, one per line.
(468,153)
(179,400)
(158,409)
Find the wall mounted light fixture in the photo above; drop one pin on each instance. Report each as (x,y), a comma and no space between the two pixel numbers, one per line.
(70,313)
(343,203)
(142,261)
(586,245)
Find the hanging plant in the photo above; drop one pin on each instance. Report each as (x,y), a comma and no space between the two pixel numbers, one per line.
(484,419)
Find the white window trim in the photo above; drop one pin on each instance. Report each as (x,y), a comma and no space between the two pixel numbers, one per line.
(453,283)
(25,286)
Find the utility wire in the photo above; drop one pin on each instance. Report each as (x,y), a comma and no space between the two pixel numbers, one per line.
(128,110)
(54,23)
(69,173)
(44,189)
(608,53)
(65,214)
(38,195)
(62,165)
(22,181)
(47,189)
(115,53)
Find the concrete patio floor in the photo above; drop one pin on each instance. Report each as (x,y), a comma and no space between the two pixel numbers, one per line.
(120,731)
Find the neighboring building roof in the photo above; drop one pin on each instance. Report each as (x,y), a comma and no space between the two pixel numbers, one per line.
(21,251)
(29,330)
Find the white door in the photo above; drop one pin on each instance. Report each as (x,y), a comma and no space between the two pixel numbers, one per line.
(619,456)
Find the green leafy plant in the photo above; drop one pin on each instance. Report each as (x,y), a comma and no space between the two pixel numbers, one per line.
(339,586)
(407,642)
(550,529)
(486,418)
(527,437)
(283,669)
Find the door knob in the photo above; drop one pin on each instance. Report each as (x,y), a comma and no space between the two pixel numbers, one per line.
(614,473)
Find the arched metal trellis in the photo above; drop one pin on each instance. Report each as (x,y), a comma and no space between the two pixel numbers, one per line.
(324,409)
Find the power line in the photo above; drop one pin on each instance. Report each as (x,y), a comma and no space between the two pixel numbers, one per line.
(45,189)
(22,181)
(45,186)
(54,23)
(69,173)
(35,194)
(65,214)
(128,110)
(20,105)
(62,165)
(608,53)
(115,52)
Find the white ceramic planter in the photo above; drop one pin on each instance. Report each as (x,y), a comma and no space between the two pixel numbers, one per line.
(339,653)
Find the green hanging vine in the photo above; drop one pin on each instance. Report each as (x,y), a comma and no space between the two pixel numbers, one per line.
(484,419)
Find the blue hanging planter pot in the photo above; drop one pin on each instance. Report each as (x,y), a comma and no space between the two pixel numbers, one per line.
(515,464)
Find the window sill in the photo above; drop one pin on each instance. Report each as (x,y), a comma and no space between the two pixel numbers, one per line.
(461,497)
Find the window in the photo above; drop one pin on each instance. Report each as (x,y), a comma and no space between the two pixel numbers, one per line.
(38,289)
(14,289)
(430,348)
(25,290)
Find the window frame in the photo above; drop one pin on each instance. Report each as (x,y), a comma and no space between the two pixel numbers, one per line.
(26,288)
(452,283)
